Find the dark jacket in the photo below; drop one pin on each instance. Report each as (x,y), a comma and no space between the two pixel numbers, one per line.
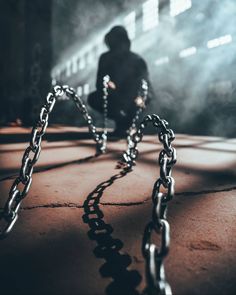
(126,69)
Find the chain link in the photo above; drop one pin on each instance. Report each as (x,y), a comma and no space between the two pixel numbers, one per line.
(163,192)
(106,81)
(100,140)
(22,183)
(141,103)
(153,254)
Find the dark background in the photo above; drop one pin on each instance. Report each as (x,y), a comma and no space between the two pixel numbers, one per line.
(59,41)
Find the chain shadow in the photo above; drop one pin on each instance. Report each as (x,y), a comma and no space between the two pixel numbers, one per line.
(109,248)
(7,138)
(13,173)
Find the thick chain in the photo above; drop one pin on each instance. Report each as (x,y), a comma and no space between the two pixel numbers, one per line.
(22,183)
(100,140)
(163,192)
(141,104)
(167,158)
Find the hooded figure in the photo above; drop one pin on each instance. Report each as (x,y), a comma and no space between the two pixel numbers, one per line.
(126,70)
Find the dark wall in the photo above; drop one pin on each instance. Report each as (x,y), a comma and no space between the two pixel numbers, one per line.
(12,54)
(26,57)
(37,54)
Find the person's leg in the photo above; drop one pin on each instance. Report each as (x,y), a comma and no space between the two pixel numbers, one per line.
(122,111)
(123,122)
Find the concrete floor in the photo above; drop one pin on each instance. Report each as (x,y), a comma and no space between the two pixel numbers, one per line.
(54,248)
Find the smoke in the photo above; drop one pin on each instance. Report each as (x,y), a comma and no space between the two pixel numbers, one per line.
(193,79)
(195,92)
(78,26)
(76,21)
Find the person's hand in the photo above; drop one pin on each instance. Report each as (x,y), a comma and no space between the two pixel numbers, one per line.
(112,85)
(140,102)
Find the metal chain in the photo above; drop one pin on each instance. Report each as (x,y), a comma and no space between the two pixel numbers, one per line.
(167,158)
(106,81)
(141,103)
(22,183)
(100,140)
(153,254)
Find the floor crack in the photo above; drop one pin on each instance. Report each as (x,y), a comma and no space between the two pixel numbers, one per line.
(74,205)
(124,204)
(53,205)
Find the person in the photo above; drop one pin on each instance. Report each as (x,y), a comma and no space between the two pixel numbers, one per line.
(126,70)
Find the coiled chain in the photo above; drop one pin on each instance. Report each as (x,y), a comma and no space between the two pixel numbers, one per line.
(22,183)
(163,192)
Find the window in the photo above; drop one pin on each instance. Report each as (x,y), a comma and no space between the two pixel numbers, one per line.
(129,23)
(187,52)
(74,65)
(86,89)
(79,90)
(219,41)
(179,6)
(162,60)
(68,68)
(150,14)
(82,63)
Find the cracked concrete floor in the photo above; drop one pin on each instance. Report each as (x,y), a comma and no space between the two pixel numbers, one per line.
(54,249)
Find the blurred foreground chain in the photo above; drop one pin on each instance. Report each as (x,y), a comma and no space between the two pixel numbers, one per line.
(163,192)
(140,102)
(106,81)
(22,183)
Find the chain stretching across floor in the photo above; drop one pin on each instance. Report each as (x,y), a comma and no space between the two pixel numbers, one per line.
(32,153)
(155,275)
(154,256)
(116,262)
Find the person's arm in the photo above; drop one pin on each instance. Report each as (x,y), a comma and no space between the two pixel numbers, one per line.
(143,70)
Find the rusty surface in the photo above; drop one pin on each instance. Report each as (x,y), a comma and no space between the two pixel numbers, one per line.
(53,248)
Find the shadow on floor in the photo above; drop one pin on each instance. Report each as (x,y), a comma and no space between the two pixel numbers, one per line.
(124,281)
(14,172)
(52,136)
